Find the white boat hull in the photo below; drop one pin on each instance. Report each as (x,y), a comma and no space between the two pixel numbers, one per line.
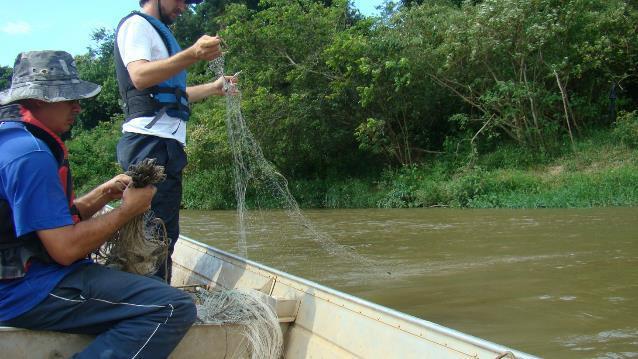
(329,323)
(318,322)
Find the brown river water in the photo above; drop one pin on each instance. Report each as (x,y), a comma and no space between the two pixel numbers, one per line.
(557,283)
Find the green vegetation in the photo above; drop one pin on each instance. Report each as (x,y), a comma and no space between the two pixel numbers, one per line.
(92,154)
(602,172)
(5,77)
(494,103)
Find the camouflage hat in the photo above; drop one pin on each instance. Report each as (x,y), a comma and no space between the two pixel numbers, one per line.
(49,76)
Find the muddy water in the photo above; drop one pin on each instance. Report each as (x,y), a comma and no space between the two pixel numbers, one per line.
(556,283)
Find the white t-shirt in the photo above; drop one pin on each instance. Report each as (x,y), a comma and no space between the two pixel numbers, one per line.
(137,39)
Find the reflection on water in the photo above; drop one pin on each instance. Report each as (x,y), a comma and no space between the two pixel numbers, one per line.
(556,283)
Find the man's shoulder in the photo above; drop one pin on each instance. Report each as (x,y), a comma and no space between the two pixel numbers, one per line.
(15,135)
(17,131)
(134,17)
(16,142)
(135,28)
(135,20)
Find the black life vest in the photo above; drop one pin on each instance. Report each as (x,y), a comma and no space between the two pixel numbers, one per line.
(16,252)
(166,97)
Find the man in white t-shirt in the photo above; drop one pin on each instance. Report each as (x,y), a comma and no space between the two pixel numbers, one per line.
(152,82)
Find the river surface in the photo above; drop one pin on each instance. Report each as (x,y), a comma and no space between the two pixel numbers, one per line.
(557,283)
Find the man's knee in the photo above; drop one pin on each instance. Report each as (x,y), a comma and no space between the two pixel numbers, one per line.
(184,308)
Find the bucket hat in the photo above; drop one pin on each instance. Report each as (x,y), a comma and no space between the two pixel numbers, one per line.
(50,76)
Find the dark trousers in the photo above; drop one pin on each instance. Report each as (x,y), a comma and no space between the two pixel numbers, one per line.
(133,316)
(132,149)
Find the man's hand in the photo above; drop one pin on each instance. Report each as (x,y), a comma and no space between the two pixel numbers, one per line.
(200,92)
(95,200)
(206,48)
(115,187)
(229,86)
(136,201)
(226,85)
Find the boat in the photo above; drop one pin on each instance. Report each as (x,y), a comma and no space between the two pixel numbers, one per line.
(316,321)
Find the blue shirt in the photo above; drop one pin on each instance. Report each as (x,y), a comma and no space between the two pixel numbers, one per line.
(29,182)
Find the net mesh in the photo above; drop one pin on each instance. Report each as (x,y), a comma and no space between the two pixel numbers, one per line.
(253,172)
(251,310)
(141,245)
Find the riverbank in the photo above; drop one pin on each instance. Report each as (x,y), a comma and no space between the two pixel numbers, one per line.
(601,170)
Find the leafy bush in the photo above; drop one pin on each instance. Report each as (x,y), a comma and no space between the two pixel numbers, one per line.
(92,154)
(209,189)
(352,193)
(626,128)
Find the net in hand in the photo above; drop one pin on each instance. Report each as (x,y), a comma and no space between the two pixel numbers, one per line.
(141,245)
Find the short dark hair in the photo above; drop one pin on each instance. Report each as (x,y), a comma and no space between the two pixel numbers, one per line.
(142,2)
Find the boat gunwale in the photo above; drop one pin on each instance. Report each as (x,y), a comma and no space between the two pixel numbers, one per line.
(418,322)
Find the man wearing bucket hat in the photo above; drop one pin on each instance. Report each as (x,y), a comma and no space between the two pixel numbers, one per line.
(151,75)
(47,281)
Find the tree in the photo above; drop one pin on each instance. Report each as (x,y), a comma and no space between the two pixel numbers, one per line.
(533,71)
(5,77)
(98,66)
(280,50)
(404,113)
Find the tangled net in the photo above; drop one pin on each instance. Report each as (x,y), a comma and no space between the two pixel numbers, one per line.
(141,245)
(248,308)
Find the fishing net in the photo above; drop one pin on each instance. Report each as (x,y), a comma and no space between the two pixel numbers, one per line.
(141,245)
(267,186)
(251,310)
(138,248)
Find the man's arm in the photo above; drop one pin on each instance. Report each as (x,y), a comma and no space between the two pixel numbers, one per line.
(145,74)
(71,243)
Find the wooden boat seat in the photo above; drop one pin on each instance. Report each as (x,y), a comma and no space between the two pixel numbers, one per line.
(201,341)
